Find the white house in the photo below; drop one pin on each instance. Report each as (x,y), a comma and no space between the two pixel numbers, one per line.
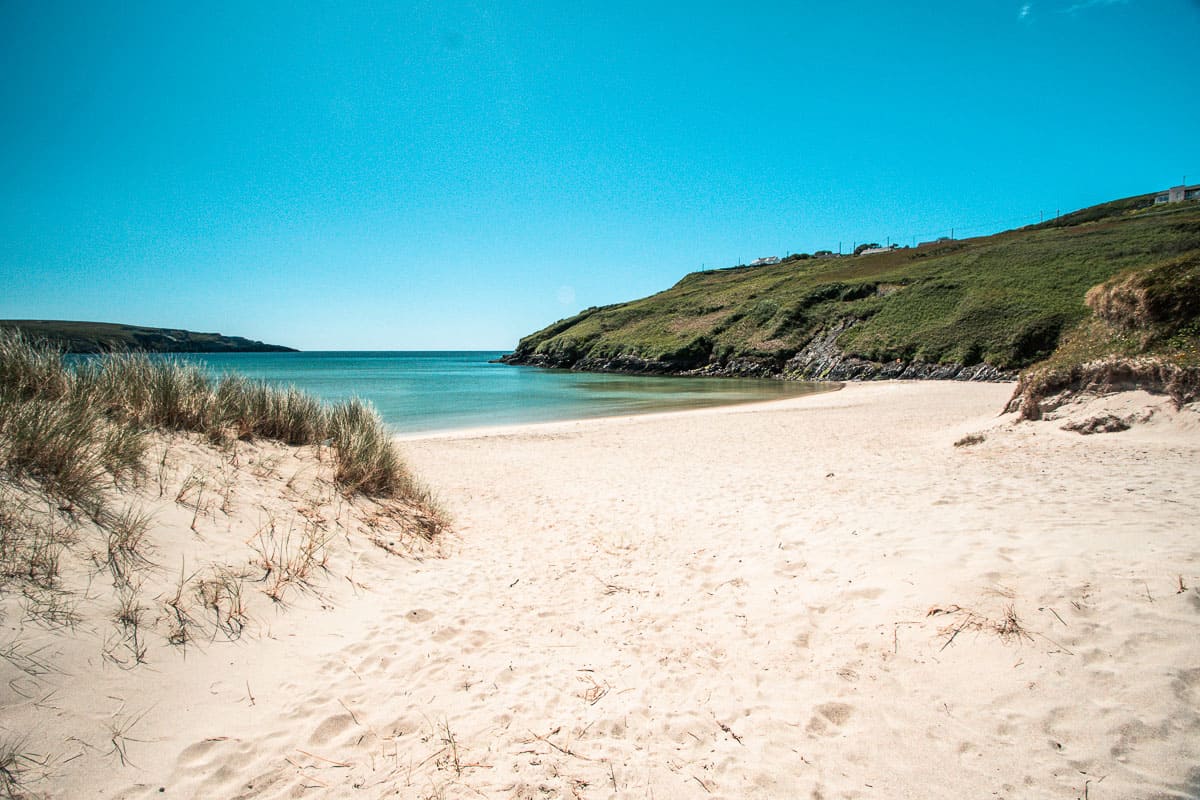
(1177,194)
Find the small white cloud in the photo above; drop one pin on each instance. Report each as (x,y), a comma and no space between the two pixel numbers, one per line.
(1084,5)
(566,295)
(1025,10)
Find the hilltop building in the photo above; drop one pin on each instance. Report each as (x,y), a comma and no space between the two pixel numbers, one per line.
(1177,194)
(764,261)
(870,251)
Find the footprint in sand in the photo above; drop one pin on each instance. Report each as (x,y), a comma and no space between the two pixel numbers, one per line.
(197,754)
(791,569)
(866,593)
(419,615)
(829,717)
(445,634)
(330,728)
(216,760)
(1186,685)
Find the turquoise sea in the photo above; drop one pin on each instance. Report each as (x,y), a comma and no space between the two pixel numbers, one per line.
(420,392)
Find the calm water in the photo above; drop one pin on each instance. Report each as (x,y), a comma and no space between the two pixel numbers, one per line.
(418,392)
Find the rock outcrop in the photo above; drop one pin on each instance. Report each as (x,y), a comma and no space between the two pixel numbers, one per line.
(820,360)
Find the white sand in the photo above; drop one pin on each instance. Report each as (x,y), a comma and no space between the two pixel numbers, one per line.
(729,603)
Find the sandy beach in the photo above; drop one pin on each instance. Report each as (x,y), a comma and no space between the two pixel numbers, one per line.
(822,597)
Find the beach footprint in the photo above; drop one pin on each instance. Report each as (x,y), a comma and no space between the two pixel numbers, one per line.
(330,728)
(829,718)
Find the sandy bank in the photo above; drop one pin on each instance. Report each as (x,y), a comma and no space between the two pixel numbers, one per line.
(730,603)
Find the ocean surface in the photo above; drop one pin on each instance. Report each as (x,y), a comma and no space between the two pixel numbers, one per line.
(422,392)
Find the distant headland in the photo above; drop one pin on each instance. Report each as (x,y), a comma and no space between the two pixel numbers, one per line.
(108,337)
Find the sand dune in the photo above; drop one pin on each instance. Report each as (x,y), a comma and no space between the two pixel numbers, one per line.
(822,597)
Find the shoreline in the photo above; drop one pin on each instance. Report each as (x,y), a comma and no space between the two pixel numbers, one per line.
(550,426)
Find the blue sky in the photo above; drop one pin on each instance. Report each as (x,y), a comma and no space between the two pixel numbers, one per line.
(446,175)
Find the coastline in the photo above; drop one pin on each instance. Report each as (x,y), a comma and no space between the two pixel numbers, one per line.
(816,596)
(566,425)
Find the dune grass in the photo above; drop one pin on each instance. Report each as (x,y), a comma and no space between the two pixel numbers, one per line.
(73,434)
(12,768)
(78,430)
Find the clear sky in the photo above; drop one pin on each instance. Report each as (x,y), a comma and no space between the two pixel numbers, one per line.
(454,175)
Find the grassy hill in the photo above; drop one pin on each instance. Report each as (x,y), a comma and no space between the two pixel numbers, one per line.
(976,308)
(106,337)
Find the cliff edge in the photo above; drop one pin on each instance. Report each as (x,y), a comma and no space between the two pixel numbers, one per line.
(106,337)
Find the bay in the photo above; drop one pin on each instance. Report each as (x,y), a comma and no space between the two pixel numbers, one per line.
(433,391)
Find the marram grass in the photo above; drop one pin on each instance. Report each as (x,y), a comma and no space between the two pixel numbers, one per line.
(73,433)
(77,430)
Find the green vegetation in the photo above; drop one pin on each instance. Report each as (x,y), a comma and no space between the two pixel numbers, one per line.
(1005,301)
(76,430)
(1144,332)
(81,444)
(105,337)
(69,437)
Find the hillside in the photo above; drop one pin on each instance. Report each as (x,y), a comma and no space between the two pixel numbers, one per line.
(107,337)
(981,308)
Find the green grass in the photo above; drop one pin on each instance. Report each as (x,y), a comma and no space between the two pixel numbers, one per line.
(1005,300)
(1143,331)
